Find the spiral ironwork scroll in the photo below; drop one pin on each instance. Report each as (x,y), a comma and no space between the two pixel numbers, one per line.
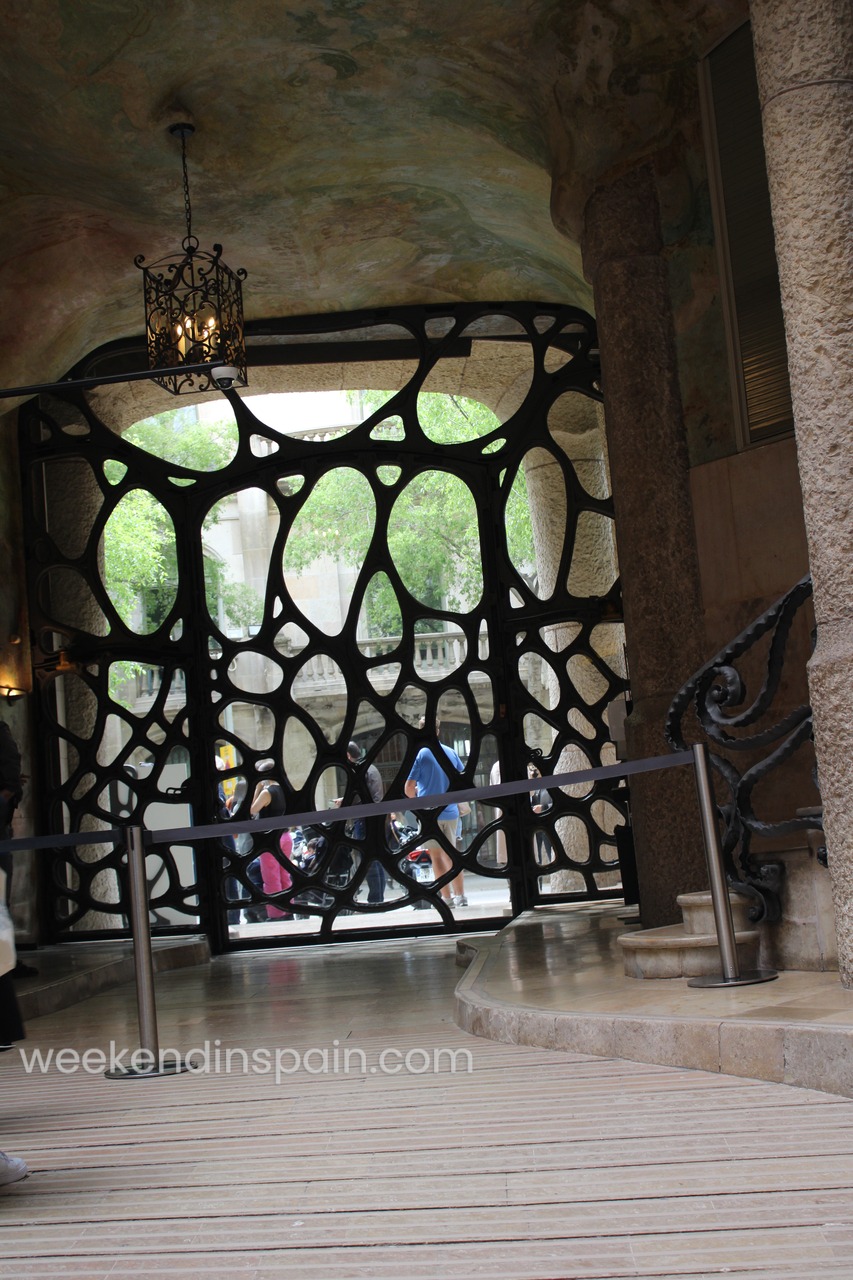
(716,692)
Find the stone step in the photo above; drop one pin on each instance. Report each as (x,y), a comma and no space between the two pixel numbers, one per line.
(671,952)
(697,911)
(74,971)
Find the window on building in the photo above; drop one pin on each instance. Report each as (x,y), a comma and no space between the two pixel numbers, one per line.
(744,233)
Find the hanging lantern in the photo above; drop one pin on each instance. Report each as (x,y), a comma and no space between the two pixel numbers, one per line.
(194,309)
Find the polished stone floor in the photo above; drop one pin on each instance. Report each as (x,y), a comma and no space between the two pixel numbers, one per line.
(366,1155)
(554,978)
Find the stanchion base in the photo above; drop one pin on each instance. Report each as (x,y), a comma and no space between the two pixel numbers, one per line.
(743,980)
(147,1073)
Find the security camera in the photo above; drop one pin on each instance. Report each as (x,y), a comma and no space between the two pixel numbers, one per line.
(225,375)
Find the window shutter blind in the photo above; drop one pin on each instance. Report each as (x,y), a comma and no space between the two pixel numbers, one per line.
(743,201)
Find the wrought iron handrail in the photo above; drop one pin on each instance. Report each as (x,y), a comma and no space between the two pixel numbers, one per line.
(715,690)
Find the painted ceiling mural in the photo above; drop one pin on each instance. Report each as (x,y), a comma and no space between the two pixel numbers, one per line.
(348,153)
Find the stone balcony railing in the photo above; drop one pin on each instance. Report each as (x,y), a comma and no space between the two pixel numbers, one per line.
(436,656)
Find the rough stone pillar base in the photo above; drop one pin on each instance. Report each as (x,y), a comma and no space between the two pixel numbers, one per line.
(665,815)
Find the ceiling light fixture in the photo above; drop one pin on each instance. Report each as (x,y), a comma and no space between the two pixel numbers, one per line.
(194,309)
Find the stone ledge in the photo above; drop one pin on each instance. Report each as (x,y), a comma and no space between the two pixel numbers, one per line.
(673,937)
(672,952)
(770,1046)
(74,971)
(697,910)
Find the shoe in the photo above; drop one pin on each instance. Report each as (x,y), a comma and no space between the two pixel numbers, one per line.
(11,1169)
(459,900)
(22,970)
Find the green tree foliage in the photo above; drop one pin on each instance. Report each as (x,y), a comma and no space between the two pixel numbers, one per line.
(140,561)
(181,438)
(433,532)
(135,550)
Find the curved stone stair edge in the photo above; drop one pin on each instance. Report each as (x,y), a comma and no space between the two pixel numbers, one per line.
(805,1055)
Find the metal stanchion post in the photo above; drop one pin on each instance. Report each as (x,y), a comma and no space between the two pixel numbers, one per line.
(148,1059)
(731,975)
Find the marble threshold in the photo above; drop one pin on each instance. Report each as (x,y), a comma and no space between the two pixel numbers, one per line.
(554,978)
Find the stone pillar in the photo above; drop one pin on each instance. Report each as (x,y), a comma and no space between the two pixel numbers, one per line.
(654,521)
(577,429)
(804,61)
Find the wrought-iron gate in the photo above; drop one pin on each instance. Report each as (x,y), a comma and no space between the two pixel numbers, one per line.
(527,671)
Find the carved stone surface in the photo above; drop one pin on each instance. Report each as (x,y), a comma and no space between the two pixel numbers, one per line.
(804,61)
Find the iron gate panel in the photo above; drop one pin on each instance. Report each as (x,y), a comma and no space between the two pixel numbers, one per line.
(77,471)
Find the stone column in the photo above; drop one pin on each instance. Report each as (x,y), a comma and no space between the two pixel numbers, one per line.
(804,60)
(576,426)
(654,521)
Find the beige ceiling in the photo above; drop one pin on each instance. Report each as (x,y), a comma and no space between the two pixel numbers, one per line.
(348,153)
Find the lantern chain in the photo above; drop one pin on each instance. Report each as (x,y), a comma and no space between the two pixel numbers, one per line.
(187,206)
(184,131)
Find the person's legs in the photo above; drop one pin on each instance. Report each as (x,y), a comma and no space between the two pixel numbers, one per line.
(275,879)
(441,864)
(456,888)
(543,850)
(375,882)
(254,912)
(233,891)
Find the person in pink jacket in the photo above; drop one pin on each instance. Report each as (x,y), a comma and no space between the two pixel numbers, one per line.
(269,800)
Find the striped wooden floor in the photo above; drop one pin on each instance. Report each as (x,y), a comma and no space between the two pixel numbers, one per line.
(533,1164)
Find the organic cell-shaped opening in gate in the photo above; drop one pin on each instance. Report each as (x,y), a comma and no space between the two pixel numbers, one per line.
(237,533)
(139,556)
(329,537)
(197,437)
(434,540)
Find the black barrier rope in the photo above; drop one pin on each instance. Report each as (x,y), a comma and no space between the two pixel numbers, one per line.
(344,813)
(151,1063)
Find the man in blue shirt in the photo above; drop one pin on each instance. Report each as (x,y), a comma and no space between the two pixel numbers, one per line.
(428,778)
